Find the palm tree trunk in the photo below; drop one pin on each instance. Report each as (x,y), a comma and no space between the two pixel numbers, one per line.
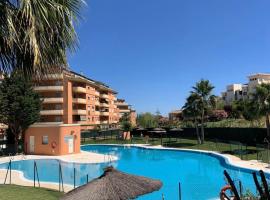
(267,125)
(197,132)
(202,127)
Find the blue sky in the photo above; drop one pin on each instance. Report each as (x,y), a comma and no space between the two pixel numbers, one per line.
(153,51)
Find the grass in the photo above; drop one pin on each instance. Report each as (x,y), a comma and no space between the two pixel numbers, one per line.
(14,192)
(242,151)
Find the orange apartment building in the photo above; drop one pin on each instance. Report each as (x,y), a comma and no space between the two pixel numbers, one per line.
(125,108)
(71,103)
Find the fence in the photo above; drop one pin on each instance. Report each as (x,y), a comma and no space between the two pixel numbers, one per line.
(100,135)
(36,179)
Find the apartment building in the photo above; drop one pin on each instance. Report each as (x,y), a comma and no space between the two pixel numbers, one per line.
(71,102)
(71,98)
(243,91)
(125,108)
(235,92)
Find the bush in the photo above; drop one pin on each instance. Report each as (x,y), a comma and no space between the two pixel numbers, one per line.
(218,115)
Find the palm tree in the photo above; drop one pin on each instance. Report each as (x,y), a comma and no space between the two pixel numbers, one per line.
(35,34)
(191,110)
(203,90)
(261,98)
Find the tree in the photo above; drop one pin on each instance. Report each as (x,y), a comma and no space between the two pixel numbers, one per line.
(191,110)
(261,100)
(19,105)
(125,122)
(203,90)
(34,35)
(147,120)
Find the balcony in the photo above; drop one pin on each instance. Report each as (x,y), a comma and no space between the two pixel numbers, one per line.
(51,112)
(124,111)
(48,88)
(97,103)
(53,100)
(97,122)
(79,112)
(104,113)
(79,89)
(79,100)
(97,113)
(80,122)
(105,96)
(54,76)
(97,93)
(105,122)
(104,105)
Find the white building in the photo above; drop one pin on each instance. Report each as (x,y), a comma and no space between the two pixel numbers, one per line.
(236,92)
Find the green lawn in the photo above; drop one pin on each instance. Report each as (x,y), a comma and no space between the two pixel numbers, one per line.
(242,151)
(14,192)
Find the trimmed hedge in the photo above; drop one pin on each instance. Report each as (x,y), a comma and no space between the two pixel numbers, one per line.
(250,136)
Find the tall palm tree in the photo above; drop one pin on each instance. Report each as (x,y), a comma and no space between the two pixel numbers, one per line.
(191,110)
(203,89)
(35,34)
(261,98)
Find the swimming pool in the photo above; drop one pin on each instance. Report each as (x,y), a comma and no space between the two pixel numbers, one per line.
(200,174)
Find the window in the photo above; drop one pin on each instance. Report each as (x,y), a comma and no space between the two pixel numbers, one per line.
(45,140)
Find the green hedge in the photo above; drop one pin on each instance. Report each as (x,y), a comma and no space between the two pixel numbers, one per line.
(250,136)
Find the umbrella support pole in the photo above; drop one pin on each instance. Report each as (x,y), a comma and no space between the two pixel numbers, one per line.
(60,179)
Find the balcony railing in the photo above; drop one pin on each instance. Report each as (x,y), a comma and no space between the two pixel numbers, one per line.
(79,100)
(97,103)
(104,96)
(79,112)
(104,104)
(97,113)
(79,89)
(48,88)
(104,113)
(54,76)
(53,100)
(51,112)
(124,111)
(97,93)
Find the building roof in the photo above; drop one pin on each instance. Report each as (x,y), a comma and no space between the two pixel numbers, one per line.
(98,83)
(259,74)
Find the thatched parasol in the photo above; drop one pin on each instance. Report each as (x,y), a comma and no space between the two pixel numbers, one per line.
(114,185)
(176,129)
(158,130)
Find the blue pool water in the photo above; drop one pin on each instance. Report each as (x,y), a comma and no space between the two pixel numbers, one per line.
(200,174)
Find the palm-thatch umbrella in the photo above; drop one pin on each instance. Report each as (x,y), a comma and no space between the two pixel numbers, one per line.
(176,130)
(114,185)
(158,130)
